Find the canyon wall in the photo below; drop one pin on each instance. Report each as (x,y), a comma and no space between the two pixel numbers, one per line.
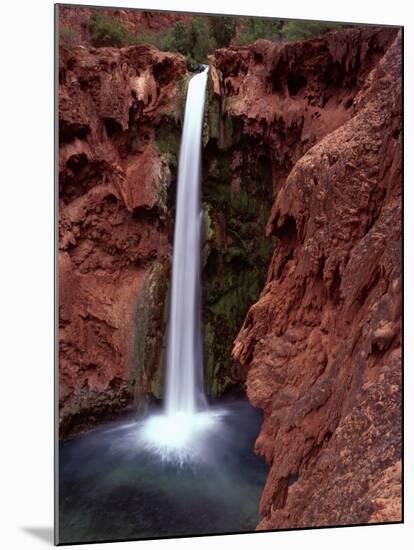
(322,345)
(117,172)
(301,254)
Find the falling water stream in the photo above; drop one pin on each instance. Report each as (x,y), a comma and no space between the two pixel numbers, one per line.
(177,434)
(184,387)
(189,469)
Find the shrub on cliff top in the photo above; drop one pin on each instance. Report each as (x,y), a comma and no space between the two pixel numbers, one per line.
(201,37)
(277,31)
(180,40)
(254,29)
(107,31)
(194,41)
(198,42)
(223,29)
(202,42)
(303,30)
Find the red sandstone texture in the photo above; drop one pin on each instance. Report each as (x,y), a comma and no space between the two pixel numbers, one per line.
(113,230)
(322,345)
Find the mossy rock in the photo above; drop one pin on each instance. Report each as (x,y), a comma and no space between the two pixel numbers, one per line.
(235,258)
(150,331)
(168,140)
(220,125)
(233,279)
(208,234)
(176,111)
(181,98)
(212,114)
(162,185)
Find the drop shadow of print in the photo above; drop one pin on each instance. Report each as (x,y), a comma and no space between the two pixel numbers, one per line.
(45,534)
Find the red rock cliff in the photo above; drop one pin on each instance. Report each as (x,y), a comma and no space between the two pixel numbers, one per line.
(114,251)
(322,345)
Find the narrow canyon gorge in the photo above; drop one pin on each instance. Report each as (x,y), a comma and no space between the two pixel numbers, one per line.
(301,255)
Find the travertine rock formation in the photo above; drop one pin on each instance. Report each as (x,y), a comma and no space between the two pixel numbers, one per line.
(322,345)
(115,178)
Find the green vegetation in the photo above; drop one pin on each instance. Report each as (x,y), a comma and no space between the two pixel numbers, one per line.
(303,30)
(282,31)
(201,40)
(107,31)
(151,320)
(223,29)
(236,255)
(167,140)
(177,39)
(198,39)
(68,37)
(205,34)
(194,41)
(256,28)
(212,112)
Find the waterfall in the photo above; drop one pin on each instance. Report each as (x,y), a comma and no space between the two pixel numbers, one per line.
(180,434)
(184,380)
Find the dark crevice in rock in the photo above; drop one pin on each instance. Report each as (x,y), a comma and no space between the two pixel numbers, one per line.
(293,478)
(364,292)
(112,126)
(335,288)
(295,83)
(287,232)
(164,72)
(70,131)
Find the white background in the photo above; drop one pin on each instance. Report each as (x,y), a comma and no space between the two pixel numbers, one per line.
(26,284)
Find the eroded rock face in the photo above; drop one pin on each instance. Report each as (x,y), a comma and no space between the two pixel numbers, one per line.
(116,185)
(266,105)
(322,345)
